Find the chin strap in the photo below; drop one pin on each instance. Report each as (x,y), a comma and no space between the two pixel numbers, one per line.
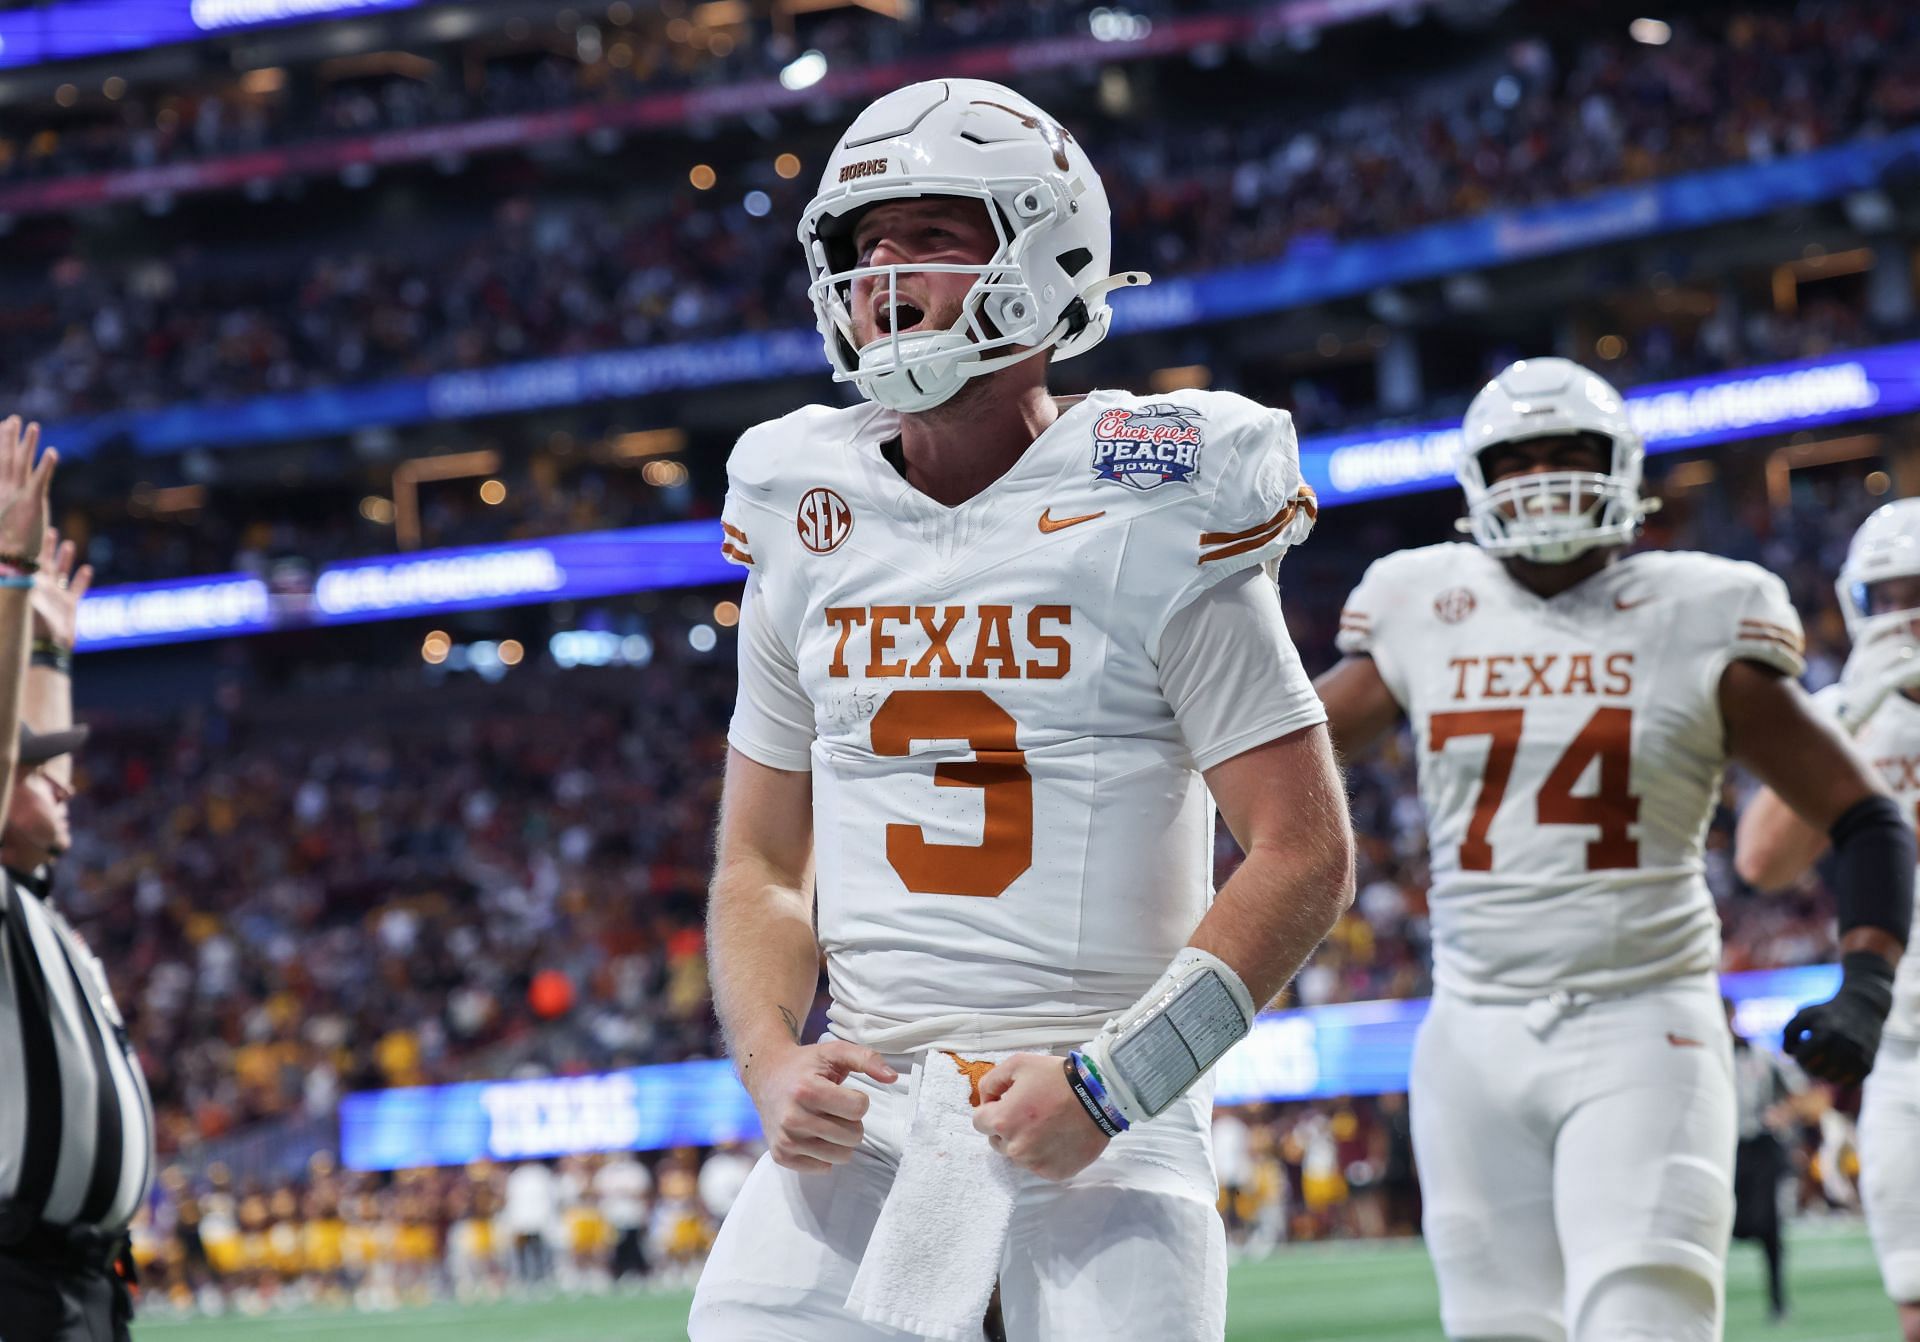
(979,367)
(1060,330)
(1123,280)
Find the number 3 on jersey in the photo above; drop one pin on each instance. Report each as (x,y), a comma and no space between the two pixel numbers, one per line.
(998,768)
(1608,737)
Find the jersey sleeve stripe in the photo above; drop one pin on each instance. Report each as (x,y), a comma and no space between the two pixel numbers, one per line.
(737,555)
(1253,542)
(1773,633)
(1750,636)
(734,532)
(1303,498)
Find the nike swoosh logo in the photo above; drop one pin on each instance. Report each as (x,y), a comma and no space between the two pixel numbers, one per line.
(1049,524)
(1621,602)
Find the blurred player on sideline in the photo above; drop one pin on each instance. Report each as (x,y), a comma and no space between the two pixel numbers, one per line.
(996,651)
(1877,702)
(1573,710)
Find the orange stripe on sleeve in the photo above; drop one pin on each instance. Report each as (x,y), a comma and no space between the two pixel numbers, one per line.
(1303,498)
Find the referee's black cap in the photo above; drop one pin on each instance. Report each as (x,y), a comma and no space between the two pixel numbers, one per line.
(39,747)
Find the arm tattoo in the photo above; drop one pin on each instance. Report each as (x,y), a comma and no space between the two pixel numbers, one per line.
(793,1026)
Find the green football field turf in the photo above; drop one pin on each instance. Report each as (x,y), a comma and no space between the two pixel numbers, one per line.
(1374,1293)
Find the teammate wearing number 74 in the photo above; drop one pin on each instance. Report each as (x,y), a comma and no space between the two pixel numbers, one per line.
(1001,654)
(1573,709)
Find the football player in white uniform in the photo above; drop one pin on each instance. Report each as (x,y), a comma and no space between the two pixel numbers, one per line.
(999,657)
(1572,711)
(1877,702)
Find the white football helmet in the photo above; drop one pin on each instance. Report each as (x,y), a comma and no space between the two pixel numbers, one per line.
(1887,545)
(1045,285)
(1550,517)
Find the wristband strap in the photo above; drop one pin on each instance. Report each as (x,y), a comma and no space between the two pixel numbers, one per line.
(27,564)
(1092,1095)
(16,582)
(54,659)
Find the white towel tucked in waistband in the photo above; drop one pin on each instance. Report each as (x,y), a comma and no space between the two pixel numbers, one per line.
(935,1253)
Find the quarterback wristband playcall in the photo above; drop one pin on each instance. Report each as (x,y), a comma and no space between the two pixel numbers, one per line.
(1148,1056)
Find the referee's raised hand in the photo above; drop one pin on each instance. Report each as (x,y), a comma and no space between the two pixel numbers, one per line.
(23,491)
(58,589)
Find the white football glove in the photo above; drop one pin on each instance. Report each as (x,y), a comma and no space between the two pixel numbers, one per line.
(1884,661)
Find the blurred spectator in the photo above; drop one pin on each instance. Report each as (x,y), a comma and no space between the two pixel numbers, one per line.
(532,1218)
(722,1175)
(624,1185)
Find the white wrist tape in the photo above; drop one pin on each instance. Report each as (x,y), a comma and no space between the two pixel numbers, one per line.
(1152,1052)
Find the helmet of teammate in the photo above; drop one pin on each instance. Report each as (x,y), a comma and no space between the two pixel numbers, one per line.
(1886,546)
(1046,283)
(1550,517)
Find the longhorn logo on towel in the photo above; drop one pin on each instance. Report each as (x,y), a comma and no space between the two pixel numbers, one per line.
(974,1072)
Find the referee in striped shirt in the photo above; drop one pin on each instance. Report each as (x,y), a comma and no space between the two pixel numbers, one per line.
(76,1123)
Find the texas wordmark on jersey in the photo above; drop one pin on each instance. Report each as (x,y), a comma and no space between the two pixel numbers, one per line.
(1570,753)
(1012,836)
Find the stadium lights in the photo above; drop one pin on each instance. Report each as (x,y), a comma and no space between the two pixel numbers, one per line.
(727,614)
(758,204)
(1650,32)
(408,475)
(1782,462)
(787,166)
(596,647)
(648,443)
(1118,25)
(1191,376)
(702,177)
(493,493)
(804,71)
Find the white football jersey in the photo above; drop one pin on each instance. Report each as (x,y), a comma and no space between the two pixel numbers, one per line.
(1012,836)
(1890,740)
(1570,752)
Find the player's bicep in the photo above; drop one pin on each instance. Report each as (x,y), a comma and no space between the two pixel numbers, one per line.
(1284,794)
(766,824)
(1775,731)
(1361,708)
(1773,847)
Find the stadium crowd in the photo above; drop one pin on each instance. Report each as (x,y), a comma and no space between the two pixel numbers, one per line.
(565,276)
(629,51)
